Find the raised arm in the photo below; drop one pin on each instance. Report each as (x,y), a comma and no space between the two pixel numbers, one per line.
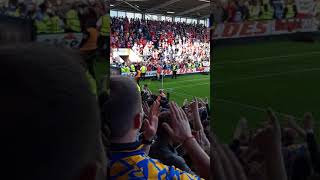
(180,131)
(269,142)
(150,125)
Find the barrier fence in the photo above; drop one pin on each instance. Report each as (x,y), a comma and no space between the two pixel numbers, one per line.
(169,72)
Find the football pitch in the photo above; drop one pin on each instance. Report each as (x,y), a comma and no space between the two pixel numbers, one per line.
(184,87)
(247,79)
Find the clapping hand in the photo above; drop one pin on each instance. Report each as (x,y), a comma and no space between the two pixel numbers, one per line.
(151,124)
(179,128)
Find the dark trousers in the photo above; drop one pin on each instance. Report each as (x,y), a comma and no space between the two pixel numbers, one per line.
(104,44)
(143,76)
(174,74)
(138,80)
(90,62)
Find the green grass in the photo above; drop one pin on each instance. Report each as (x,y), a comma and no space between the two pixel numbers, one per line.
(184,87)
(247,79)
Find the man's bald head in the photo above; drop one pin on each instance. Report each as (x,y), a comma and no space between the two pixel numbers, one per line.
(123,105)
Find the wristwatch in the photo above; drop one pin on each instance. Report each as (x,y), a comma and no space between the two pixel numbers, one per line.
(147,142)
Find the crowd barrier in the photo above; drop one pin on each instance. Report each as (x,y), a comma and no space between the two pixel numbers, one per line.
(71,40)
(169,72)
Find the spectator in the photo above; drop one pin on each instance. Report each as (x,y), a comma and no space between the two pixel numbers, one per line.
(125,129)
(262,159)
(308,133)
(242,10)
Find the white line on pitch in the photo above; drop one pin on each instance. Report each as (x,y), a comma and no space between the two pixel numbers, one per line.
(270,58)
(251,107)
(266,75)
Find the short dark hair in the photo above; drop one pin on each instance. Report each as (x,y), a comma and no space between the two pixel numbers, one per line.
(50,122)
(164,117)
(123,104)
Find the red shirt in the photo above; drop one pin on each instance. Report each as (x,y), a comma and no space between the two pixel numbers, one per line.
(231,11)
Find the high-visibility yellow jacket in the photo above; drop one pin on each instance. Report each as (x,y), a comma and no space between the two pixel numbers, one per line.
(290,12)
(132,68)
(143,69)
(55,25)
(72,21)
(254,12)
(41,27)
(15,13)
(268,14)
(105,26)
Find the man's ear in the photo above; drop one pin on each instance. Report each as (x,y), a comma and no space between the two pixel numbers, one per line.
(138,121)
(93,171)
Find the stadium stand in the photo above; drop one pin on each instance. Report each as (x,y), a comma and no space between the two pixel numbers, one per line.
(52,16)
(239,11)
(161,43)
(81,25)
(234,19)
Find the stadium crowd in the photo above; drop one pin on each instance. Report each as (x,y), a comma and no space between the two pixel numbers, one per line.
(89,18)
(57,16)
(162,45)
(244,10)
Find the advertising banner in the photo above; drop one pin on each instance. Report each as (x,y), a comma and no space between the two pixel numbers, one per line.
(305,7)
(263,28)
(169,72)
(71,40)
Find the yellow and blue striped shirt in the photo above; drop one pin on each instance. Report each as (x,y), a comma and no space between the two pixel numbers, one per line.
(135,164)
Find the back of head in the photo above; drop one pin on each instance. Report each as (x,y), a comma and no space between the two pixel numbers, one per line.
(164,117)
(123,105)
(50,124)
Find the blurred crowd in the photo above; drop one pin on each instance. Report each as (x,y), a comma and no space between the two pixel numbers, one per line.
(273,151)
(245,10)
(57,16)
